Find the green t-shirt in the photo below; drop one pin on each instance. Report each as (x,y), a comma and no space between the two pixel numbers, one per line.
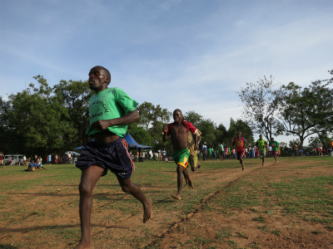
(275,146)
(109,104)
(261,143)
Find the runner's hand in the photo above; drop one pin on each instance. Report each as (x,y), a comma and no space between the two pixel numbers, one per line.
(101,124)
(165,130)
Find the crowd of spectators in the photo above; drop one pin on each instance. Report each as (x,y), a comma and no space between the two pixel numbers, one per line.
(206,152)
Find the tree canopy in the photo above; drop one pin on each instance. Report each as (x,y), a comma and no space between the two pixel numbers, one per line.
(42,119)
(261,107)
(305,111)
(290,110)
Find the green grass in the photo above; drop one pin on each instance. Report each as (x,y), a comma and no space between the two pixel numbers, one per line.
(306,194)
(56,187)
(310,194)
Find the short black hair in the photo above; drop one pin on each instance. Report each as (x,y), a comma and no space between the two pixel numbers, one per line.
(177,110)
(108,74)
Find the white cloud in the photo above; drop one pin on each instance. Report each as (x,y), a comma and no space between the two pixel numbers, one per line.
(194,59)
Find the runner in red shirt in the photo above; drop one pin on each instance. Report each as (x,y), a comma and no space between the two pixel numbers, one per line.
(239,143)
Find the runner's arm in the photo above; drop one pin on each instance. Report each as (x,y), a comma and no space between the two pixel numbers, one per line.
(165,132)
(197,138)
(127,119)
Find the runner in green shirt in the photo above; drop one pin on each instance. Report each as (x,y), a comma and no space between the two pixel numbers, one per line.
(110,111)
(275,149)
(262,146)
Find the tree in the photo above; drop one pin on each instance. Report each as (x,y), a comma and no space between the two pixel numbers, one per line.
(151,114)
(206,126)
(74,95)
(296,105)
(141,135)
(38,124)
(148,130)
(208,129)
(6,134)
(323,93)
(307,111)
(222,135)
(261,107)
(240,126)
(193,117)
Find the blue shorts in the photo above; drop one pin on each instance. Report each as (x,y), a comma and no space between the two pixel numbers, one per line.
(110,156)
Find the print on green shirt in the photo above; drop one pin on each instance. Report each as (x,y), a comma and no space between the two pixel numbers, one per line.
(109,104)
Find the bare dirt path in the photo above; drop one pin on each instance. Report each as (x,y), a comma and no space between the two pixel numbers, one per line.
(221,179)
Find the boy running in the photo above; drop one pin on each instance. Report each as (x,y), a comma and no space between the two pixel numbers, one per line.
(239,143)
(194,160)
(275,149)
(262,146)
(110,110)
(178,131)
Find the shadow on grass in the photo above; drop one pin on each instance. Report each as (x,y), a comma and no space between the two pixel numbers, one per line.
(45,194)
(7,247)
(76,185)
(168,200)
(111,197)
(99,196)
(37,228)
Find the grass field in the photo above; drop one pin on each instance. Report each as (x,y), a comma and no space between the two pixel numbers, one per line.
(283,205)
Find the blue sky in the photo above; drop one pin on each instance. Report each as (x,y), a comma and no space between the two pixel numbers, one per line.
(187,54)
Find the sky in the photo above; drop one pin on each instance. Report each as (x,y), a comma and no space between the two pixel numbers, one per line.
(195,55)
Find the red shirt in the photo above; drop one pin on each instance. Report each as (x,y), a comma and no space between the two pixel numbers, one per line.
(187,124)
(240,143)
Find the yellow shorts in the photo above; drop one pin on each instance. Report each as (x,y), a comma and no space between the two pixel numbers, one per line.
(181,157)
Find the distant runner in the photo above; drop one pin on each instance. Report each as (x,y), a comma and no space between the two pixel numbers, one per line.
(239,143)
(262,146)
(275,149)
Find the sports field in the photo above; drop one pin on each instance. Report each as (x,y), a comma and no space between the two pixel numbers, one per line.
(283,205)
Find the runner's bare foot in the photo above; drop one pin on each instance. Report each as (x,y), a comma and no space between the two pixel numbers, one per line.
(176,197)
(83,245)
(147,210)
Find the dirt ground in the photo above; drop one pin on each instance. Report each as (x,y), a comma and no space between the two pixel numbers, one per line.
(241,229)
(205,226)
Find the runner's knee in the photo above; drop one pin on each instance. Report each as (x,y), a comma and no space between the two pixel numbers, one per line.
(85,189)
(126,187)
(180,168)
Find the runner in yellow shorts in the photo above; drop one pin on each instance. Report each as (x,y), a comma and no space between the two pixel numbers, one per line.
(179,131)
(182,157)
